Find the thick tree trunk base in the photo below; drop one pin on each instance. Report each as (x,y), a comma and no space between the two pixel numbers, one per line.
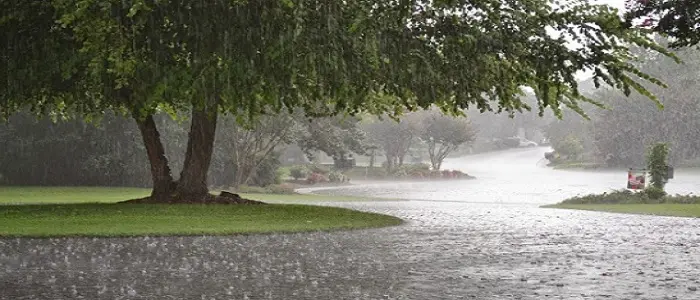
(223,198)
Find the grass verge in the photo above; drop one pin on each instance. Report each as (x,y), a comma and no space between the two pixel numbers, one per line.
(65,195)
(88,211)
(646,202)
(110,220)
(659,209)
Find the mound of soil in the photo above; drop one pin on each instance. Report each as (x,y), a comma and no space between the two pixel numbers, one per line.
(223,198)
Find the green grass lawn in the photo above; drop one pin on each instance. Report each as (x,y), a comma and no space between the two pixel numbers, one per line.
(57,195)
(660,209)
(88,211)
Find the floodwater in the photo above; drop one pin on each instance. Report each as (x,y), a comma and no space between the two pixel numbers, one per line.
(472,239)
(518,176)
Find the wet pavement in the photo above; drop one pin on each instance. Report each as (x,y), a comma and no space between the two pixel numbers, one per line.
(476,239)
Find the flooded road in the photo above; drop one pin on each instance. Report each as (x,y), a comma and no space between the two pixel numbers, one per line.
(518,176)
(476,239)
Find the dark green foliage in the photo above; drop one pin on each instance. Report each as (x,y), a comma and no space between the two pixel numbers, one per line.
(297,172)
(255,54)
(676,18)
(571,147)
(40,152)
(657,165)
(620,136)
(654,192)
(267,172)
(443,134)
(328,57)
(652,195)
(335,136)
(109,152)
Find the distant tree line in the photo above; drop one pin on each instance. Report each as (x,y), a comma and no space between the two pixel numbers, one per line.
(620,135)
(110,151)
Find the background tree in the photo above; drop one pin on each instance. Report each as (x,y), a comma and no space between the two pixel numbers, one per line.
(444,134)
(620,134)
(255,146)
(335,136)
(394,137)
(42,152)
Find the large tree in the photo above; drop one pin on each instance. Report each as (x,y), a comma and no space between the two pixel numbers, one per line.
(245,57)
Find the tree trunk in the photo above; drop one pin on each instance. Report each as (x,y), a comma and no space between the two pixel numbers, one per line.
(163,185)
(200,147)
(389,163)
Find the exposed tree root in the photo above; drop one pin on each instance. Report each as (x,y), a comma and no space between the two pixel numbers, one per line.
(223,198)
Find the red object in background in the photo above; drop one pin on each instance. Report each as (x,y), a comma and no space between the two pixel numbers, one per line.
(635,182)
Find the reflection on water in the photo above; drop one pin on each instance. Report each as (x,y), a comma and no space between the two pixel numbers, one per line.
(477,239)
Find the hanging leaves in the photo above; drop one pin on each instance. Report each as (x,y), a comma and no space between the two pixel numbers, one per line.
(327,57)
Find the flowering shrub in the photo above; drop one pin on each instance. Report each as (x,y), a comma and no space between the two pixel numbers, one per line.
(424,172)
(315,178)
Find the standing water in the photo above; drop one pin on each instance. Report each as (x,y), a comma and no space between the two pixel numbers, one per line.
(517,176)
(474,239)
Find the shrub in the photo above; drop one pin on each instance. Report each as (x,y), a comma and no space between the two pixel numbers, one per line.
(649,195)
(319,169)
(615,197)
(297,172)
(281,189)
(654,192)
(510,142)
(656,163)
(412,171)
(336,177)
(267,173)
(315,178)
(571,147)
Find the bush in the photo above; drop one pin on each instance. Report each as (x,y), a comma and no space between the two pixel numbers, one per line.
(654,192)
(616,197)
(412,171)
(319,169)
(281,189)
(571,147)
(511,142)
(315,178)
(336,177)
(649,195)
(297,173)
(268,172)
